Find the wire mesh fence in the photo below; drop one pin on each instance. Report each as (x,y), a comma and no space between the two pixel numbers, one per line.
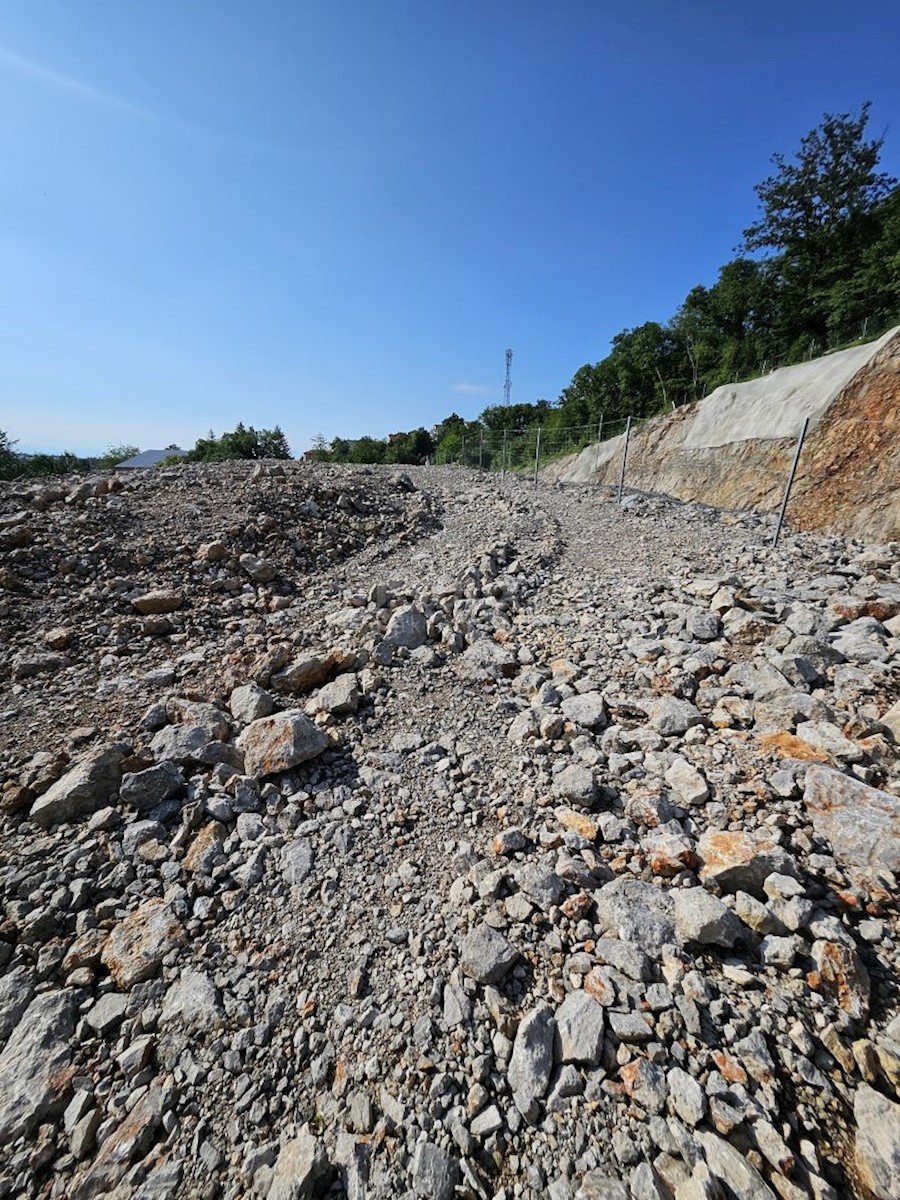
(525,451)
(525,454)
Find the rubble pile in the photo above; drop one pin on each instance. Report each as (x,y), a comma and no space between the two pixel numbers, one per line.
(429,835)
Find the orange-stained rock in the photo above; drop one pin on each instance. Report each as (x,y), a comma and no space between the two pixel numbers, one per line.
(577,906)
(280,742)
(730,1069)
(861,823)
(739,861)
(85,951)
(137,945)
(598,984)
(581,822)
(790,746)
(207,844)
(840,974)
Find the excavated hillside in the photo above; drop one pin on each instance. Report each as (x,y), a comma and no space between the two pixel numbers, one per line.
(734,448)
(437,837)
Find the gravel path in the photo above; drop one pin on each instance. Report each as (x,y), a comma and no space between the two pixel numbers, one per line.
(565,864)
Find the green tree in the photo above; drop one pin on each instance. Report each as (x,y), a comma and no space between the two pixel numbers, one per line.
(9,460)
(273,443)
(818,216)
(116,454)
(242,442)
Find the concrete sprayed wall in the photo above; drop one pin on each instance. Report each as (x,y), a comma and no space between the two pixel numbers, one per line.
(734,448)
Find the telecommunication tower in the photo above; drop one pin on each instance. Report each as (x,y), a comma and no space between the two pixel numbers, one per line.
(507,386)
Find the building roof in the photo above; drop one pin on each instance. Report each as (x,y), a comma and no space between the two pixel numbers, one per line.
(148,458)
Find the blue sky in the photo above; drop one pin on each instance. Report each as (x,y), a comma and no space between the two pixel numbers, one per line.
(336,215)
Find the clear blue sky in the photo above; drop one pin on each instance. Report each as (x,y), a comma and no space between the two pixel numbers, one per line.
(337,214)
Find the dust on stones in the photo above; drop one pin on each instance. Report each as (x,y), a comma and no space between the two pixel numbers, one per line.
(432,835)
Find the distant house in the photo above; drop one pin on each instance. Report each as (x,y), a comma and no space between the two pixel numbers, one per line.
(149,458)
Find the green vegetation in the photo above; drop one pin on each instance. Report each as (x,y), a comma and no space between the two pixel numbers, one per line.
(818,269)
(116,454)
(14,465)
(410,449)
(242,442)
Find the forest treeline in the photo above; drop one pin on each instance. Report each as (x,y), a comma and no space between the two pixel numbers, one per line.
(818,269)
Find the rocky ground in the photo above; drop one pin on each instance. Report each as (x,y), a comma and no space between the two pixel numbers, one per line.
(428,836)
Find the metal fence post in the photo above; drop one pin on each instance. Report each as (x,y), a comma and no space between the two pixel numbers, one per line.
(624,460)
(790,482)
(537,454)
(503,457)
(462,456)
(481,451)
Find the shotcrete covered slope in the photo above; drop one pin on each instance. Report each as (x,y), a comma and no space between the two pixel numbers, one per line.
(734,447)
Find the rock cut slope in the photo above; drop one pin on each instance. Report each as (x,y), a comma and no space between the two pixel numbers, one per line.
(734,448)
(466,840)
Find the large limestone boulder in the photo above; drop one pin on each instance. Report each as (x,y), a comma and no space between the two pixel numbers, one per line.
(877,1142)
(34,1064)
(280,742)
(91,784)
(861,823)
(136,946)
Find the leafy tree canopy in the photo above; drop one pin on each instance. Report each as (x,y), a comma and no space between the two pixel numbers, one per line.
(116,454)
(243,442)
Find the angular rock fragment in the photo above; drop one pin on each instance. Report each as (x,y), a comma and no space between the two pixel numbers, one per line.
(250,702)
(877,1142)
(532,1061)
(637,912)
(485,955)
(728,1165)
(579,1030)
(841,974)
(260,570)
(33,1064)
(279,742)
(435,1172)
(136,946)
(192,1002)
(340,697)
(740,861)
(128,1142)
(586,709)
(704,919)
(861,823)
(407,627)
(182,744)
(162,600)
(146,789)
(91,784)
(686,1096)
(686,780)
(296,861)
(671,717)
(576,783)
(645,1083)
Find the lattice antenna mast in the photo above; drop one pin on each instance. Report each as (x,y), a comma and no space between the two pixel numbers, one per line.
(507,386)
